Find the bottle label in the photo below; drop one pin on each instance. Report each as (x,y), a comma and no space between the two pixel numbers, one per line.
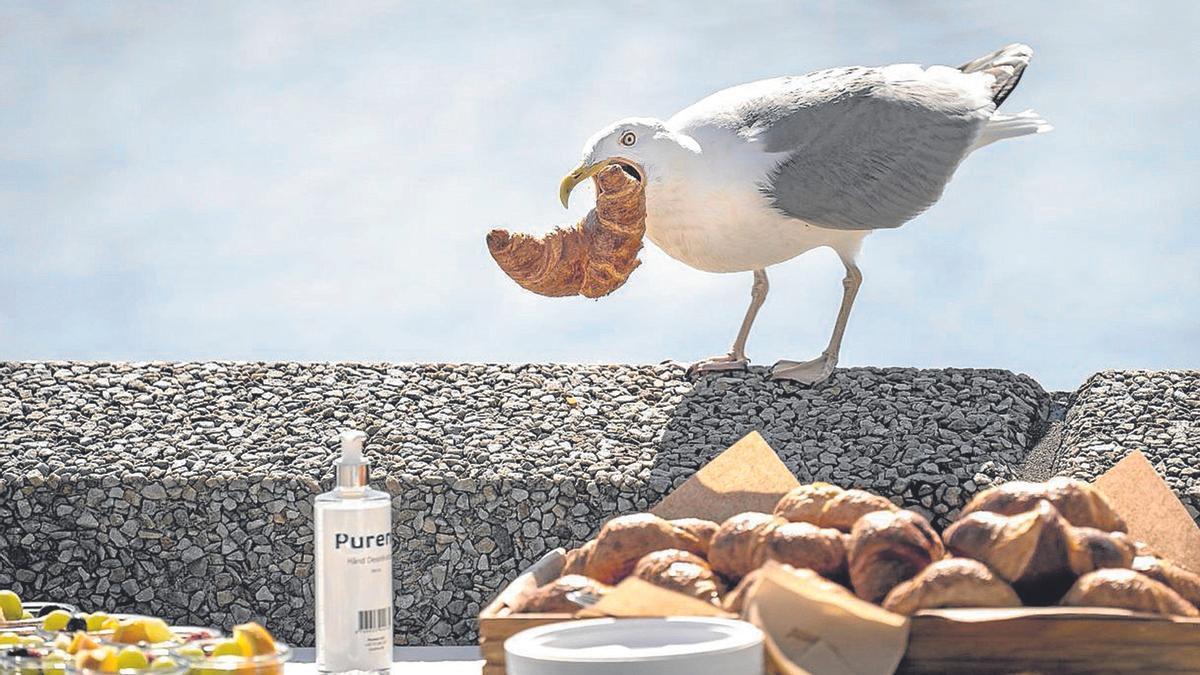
(354,589)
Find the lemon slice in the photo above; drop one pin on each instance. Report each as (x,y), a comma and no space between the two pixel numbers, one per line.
(254,639)
(229,648)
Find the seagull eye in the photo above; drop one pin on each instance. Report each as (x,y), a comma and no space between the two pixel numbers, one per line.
(628,139)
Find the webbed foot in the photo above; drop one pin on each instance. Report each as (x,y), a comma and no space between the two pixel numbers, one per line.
(719,364)
(807,372)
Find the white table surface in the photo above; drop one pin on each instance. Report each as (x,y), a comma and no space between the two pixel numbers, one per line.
(406,660)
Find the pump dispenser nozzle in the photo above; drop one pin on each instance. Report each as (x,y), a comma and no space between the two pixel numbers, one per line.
(352,468)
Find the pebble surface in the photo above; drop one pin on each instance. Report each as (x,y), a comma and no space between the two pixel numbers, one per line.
(185,489)
(1157,412)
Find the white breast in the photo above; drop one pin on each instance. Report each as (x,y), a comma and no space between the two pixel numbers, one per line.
(711,216)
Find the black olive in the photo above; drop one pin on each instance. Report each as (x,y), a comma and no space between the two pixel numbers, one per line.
(46,609)
(18,651)
(77,622)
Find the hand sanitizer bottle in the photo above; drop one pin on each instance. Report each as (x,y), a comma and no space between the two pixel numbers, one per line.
(353,550)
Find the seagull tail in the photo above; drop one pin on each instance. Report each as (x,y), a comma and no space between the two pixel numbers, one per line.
(1002,126)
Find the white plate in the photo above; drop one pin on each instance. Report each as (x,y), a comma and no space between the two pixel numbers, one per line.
(669,646)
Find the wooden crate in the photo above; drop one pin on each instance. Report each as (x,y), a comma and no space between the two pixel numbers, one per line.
(1046,640)
(497,624)
(1052,640)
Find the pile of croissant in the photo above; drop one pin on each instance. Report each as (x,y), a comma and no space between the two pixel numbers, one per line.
(1053,543)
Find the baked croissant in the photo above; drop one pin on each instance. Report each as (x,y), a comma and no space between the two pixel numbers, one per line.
(577,558)
(1038,552)
(1126,589)
(593,258)
(1184,582)
(887,548)
(625,539)
(826,505)
(702,529)
(1006,544)
(552,598)
(1089,549)
(682,572)
(952,582)
(735,548)
(805,503)
(1079,502)
(804,545)
(735,599)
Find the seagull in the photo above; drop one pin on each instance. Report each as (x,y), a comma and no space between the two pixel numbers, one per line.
(757,174)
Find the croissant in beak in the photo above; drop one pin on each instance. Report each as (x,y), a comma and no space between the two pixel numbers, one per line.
(593,258)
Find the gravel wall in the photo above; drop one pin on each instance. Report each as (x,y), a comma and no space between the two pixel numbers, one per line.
(185,489)
(1157,412)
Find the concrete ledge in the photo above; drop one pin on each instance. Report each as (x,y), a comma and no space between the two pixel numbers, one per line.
(184,489)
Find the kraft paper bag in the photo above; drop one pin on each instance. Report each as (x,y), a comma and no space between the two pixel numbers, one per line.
(638,597)
(816,626)
(1151,509)
(749,476)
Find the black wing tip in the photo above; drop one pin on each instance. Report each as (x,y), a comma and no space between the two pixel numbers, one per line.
(1016,52)
(1006,65)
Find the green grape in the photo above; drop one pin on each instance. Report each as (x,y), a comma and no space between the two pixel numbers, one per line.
(10,606)
(55,662)
(56,620)
(95,621)
(190,652)
(131,658)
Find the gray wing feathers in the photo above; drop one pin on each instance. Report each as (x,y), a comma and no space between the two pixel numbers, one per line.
(866,151)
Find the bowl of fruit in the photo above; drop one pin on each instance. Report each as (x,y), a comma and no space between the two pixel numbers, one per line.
(71,620)
(24,617)
(125,629)
(108,659)
(24,653)
(80,652)
(251,651)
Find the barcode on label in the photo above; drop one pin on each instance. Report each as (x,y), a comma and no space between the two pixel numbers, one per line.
(375,619)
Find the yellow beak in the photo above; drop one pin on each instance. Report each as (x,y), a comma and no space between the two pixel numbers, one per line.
(580,174)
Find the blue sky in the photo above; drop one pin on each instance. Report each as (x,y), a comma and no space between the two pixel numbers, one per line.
(313,181)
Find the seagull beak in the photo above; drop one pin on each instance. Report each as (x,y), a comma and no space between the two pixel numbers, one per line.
(580,174)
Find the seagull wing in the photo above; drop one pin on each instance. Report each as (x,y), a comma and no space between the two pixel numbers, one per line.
(865,148)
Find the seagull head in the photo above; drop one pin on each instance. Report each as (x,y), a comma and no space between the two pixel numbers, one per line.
(644,147)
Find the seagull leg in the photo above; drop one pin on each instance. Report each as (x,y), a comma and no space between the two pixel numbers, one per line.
(820,368)
(736,358)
